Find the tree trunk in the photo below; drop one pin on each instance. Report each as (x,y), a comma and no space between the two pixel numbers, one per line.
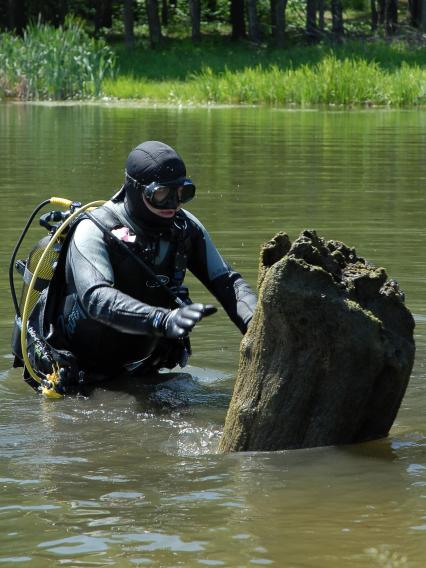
(103,14)
(153,23)
(237,19)
(413,10)
(211,9)
(195,12)
(382,11)
(59,12)
(253,21)
(417,9)
(164,13)
(328,354)
(374,15)
(17,15)
(107,14)
(280,20)
(321,10)
(391,16)
(273,5)
(129,37)
(337,18)
(311,19)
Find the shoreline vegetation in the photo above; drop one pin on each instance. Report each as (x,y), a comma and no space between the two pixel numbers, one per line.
(65,63)
(336,79)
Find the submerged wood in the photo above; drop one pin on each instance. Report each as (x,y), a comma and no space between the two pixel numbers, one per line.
(328,354)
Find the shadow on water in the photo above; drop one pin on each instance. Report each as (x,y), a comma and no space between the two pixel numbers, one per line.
(165,392)
(161,392)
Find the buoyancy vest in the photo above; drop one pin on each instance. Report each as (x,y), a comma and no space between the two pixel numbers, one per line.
(96,345)
(130,277)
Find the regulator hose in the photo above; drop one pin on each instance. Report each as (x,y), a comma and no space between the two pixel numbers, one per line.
(48,387)
(15,252)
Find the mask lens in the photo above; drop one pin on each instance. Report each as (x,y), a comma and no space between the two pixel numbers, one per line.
(186,192)
(161,195)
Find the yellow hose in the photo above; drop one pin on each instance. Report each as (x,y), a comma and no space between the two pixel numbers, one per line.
(53,377)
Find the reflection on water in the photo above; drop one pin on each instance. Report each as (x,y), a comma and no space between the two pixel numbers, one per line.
(129,476)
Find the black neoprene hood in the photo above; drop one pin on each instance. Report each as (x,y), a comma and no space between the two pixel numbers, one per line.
(150,161)
(155,161)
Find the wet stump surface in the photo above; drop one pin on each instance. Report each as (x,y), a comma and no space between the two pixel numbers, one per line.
(328,354)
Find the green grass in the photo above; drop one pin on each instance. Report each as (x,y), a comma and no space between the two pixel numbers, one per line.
(50,63)
(53,63)
(179,59)
(357,73)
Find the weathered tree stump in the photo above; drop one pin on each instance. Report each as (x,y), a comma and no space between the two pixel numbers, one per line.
(328,354)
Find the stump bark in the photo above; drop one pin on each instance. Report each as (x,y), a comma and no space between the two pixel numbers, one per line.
(328,355)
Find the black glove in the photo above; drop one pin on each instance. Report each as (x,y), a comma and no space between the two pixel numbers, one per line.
(178,323)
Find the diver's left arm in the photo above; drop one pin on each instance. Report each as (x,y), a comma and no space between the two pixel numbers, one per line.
(227,285)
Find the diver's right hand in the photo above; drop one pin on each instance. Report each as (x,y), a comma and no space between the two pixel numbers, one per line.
(178,323)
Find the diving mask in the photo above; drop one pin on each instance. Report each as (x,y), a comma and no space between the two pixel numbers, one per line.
(166,195)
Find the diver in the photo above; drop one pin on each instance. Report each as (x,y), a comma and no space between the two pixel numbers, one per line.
(127,311)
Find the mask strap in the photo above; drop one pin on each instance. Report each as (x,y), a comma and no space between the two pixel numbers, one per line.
(135,182)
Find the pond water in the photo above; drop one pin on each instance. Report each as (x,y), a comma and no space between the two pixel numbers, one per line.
(131,477)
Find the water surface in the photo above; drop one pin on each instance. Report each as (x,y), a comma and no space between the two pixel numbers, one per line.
(131,477)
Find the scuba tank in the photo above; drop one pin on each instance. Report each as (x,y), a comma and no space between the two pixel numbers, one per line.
(37,271)
(26,268)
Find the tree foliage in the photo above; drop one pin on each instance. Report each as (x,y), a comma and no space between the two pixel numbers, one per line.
(255,20)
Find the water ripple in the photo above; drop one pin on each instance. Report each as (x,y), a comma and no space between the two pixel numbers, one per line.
(81,544)
(29,507)
(14,559)
(19,481)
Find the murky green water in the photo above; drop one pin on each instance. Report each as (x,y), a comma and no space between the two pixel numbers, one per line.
(131,478)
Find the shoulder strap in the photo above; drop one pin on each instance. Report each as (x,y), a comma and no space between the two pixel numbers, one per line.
(180,234)
(106,216)
(120,245)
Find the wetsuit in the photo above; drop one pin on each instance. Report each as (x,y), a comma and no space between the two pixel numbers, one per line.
(107,311)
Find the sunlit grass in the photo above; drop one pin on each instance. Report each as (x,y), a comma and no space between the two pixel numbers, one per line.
(53,63)
(331,81)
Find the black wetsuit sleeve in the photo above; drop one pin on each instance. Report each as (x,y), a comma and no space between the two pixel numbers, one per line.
(90,272)
(227,285)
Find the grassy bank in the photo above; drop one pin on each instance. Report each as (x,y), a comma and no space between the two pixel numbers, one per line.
(357,73)
(63,63)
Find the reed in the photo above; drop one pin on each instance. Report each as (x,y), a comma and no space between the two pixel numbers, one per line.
(54,63)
